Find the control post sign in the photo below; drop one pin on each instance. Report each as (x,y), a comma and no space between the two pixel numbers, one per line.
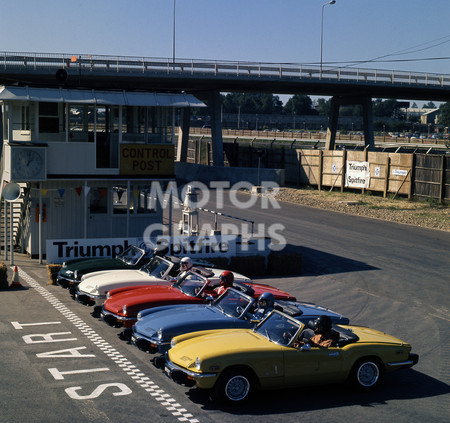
(147,159)
(357,175)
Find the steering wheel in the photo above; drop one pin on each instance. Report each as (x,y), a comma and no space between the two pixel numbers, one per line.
(239,310)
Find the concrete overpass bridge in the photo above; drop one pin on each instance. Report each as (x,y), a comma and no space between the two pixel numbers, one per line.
(207,78)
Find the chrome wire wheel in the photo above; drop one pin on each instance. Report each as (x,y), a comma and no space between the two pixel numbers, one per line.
(368,374)
(237,388)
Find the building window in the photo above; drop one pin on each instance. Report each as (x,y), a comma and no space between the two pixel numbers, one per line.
(145,203)
(120,200)
(98,200)
(48,118)
(25,120)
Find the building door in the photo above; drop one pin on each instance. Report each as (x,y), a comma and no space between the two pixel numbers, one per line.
(107,137)
(98,225)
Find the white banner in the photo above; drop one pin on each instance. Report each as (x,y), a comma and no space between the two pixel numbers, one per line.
(199,246)
(60,250)
(357,175)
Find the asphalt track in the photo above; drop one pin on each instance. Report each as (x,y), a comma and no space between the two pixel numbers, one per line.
(61,364)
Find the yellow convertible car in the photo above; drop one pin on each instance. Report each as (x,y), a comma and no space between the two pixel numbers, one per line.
(233,363)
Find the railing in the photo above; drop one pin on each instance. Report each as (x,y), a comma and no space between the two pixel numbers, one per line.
(278,136)
(219,68)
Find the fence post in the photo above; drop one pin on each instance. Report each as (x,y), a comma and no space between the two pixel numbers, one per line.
(443,171)
(344,168)
(320,169)
(386,176)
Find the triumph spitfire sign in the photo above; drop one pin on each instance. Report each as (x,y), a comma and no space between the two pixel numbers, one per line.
(357,175)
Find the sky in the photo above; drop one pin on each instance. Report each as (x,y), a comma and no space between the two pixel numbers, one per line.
(409,35)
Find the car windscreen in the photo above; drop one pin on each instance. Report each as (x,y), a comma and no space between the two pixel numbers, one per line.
(157,267)
(192,284)
(233,303)
(279,328)
(131,255)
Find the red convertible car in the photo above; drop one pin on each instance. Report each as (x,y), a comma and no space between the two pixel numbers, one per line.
(198,286)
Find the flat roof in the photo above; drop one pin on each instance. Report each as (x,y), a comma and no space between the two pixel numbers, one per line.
(98,97)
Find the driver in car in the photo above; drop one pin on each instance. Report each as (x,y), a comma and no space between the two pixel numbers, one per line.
(321,336)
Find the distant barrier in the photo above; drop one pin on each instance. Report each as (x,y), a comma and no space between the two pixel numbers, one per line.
(417,175)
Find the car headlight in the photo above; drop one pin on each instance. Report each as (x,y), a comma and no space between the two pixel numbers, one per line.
(139,315)
(197,363)
(75,275)
(172,343)
(124,310)
(108,295)
(159,334)
(64,264)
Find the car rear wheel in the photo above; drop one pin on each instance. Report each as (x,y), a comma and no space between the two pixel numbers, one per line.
(234,386)
(366,374)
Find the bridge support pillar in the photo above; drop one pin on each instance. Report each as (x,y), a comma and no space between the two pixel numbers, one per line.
(216,128)
(183,137)
(336,103)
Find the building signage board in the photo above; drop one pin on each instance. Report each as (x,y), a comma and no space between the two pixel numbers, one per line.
(147,159)
(357,174)
(399,172)
(199,246)
(60,250)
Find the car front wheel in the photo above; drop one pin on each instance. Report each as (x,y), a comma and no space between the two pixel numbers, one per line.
(234,386)
(366,374)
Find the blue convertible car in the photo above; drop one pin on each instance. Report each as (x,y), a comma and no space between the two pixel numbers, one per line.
(157,326)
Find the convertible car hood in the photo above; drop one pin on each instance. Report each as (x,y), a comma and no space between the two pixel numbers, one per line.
(146,297)
(107,281)
(219,343)
(84,266)
(188,319)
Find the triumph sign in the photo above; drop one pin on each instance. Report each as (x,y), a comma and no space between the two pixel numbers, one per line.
(60,250)
(357,175)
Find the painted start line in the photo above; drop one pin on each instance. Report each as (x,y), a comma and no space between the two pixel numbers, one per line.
(143,381)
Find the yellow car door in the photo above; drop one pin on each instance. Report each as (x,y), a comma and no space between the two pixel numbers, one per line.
(315,365)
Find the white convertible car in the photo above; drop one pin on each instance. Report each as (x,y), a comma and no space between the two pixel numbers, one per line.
(93,288)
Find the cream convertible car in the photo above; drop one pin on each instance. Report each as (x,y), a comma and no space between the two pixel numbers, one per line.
(94,286)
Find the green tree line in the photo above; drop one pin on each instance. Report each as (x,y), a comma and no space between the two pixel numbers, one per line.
(300,104)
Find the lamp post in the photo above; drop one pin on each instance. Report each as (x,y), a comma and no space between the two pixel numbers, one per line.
(321,34)
(173,35)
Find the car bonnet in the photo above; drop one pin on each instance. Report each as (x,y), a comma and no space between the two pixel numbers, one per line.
(217,344)
(107,281)
(146,297)
(177,321)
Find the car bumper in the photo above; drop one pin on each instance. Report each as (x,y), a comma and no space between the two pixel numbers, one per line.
(117,321)
(413,359)
(88,299)
(148,344)
(65,282)
(188,378)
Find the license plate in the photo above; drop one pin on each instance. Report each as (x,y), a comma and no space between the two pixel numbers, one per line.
(167,371)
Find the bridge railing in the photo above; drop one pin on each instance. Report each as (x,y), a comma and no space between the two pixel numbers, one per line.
(199,67)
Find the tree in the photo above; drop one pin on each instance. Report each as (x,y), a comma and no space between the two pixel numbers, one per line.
(389,108)
(323,106)
(444,114)
(251,103)
(299,104)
